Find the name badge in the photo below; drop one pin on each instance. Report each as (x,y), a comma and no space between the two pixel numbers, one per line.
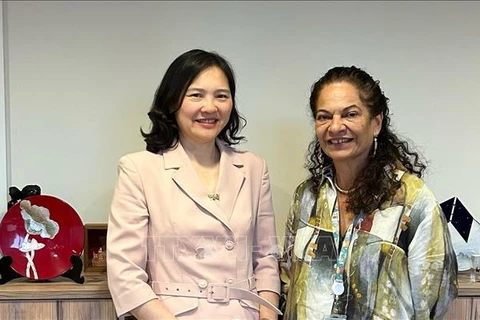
(337,287)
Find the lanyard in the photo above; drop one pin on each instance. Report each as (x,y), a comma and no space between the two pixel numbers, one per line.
(337,286)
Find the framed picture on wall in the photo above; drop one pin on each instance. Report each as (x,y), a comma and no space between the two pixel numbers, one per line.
(95,254)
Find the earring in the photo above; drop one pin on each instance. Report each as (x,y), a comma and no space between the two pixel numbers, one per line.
(375,145)
(320,156)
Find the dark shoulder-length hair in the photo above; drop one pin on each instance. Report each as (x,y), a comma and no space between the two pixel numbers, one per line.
(168,98)
(376,182)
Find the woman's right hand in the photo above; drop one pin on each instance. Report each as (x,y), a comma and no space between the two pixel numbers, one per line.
(153,309)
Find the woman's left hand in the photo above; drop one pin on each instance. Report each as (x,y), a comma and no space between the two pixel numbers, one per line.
(265,312)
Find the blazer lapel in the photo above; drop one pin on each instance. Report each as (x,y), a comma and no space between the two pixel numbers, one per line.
(230,179)
(187,179)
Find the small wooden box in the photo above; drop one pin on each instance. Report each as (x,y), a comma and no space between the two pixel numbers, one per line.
(94,253)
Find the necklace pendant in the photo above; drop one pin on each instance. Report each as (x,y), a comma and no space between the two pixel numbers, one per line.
(337,287)
(214,196)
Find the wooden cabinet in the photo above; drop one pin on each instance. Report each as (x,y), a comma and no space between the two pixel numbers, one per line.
(64,299)
(476,309)
(467,305)
(59,298)
(461,308)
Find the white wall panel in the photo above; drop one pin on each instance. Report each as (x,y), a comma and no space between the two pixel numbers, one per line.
(83,74)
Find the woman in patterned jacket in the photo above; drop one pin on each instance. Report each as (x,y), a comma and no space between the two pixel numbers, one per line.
(365,237)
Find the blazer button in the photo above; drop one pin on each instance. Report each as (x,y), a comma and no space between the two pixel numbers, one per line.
(199,252)
(229,280)
(202,283)
(229,244)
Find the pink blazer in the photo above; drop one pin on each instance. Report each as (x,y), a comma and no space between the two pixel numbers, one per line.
(164,228)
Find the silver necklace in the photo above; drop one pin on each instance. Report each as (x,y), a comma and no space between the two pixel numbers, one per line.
(340,189)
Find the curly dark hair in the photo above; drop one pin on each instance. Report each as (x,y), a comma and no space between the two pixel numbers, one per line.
(375,184)
(168,98)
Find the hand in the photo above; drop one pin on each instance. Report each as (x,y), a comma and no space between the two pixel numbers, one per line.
(153,309)
(265,312)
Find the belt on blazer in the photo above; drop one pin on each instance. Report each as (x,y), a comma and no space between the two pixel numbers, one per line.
(213,292)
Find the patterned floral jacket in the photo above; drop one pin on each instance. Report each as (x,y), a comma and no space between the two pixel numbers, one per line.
(400,264)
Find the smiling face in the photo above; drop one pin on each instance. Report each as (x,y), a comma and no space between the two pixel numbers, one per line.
(344,125)
(205,109)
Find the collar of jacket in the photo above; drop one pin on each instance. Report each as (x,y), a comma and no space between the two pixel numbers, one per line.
(176,157)
(230,180)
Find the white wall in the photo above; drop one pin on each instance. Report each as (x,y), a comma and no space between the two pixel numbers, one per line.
(3,127)
(82,76)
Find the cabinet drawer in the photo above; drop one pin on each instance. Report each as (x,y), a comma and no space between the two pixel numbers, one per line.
(32,310)
(461,308)
(86,309)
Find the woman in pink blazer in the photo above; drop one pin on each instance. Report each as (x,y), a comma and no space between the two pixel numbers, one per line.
(191,234)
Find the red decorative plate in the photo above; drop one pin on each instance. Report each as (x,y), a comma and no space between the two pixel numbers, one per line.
(41,233)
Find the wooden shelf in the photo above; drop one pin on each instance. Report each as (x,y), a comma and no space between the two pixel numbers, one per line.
(467,288)
(95,287)
(59,298)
